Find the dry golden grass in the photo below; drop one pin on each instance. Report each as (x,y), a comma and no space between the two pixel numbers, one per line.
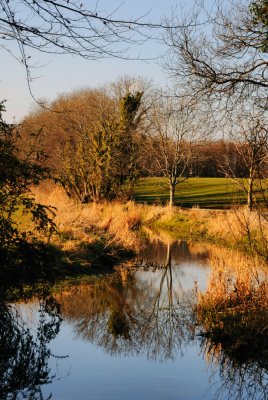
(163,214)
(236,281)
(78,222)
(238,224)
(233,312)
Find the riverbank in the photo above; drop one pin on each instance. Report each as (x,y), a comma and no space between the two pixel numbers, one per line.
(89,232)
(92,238)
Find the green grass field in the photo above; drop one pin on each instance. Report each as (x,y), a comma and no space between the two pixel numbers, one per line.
(200,192)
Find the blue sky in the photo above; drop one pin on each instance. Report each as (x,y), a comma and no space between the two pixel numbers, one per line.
(59,74)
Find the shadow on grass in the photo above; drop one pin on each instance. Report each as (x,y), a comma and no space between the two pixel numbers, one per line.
(215,200)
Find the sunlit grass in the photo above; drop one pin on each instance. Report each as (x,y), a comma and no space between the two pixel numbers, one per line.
(202,192)
(120,224)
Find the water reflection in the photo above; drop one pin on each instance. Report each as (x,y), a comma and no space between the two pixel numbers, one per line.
(131,312)
(242,376)
(162,249)
(25,353)
(151,309)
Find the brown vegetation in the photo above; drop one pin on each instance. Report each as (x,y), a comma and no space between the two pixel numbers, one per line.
(78,223)
(121,222)
(92,142)
(233,312)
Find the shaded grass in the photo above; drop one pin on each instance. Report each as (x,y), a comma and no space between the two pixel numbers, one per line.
(202,192)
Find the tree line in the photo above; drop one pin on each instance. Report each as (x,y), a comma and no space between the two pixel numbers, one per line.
(98,142)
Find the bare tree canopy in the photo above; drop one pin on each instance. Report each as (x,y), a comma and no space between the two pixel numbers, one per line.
(220,53)
(73,27)
(177,129)
(70,26)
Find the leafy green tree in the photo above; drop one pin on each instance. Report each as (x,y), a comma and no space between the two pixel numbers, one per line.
(17,174)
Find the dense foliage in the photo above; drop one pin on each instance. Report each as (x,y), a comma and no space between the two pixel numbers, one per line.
(17,173)
(101,163)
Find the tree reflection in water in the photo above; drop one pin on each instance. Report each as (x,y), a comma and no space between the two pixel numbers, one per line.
(149,313)
(135,311)
(125,315)
(241,378)
(25,353)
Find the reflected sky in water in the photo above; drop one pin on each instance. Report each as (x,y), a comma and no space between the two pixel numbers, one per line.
(133,334)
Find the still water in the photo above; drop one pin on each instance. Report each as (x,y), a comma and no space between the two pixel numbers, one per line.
(128,335)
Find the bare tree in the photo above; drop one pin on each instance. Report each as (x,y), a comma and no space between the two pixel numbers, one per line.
(175,133)
(220,52)
(222,59)
(250,136)
(70,27)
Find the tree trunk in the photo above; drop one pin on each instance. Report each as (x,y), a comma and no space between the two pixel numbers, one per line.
(250,191)
(171,195)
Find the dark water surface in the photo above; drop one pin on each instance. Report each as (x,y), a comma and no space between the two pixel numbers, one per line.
(126,336)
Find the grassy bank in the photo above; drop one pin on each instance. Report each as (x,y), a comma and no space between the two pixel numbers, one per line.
(87,231)
(218,193)
(94,237)
(237,227)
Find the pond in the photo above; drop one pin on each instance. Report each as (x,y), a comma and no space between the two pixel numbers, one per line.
(131,334)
